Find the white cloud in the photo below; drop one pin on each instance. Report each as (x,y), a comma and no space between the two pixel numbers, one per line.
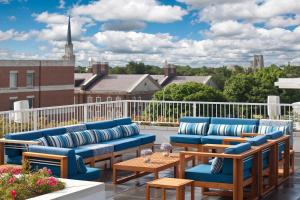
(283,21)
(4,1)
(142,10)
(61,4)
(123,26)
(12,18)
(15,35)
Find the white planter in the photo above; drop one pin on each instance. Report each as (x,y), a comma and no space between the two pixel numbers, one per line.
(77,190)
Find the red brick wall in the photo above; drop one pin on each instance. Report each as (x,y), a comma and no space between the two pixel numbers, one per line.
(57,76)
(4,75)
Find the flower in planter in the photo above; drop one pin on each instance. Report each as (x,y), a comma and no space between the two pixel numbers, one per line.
(13,194)
(146,153)
(11,180)
(52,181)
(166,148)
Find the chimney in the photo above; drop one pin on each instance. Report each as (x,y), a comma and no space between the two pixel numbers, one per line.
(100,69)
(169,70)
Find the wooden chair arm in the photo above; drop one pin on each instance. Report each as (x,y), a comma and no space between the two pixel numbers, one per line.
(63,160)
(249,134)
(228,140)
(25,142)
(215,146)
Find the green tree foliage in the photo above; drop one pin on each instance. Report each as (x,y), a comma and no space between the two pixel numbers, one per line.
(136,68)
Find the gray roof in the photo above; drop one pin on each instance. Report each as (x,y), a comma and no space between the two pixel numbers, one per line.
(182,79)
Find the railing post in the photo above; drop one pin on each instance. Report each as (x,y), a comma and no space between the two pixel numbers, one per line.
(194,109)
(85,113)
(125,109)
(35,120)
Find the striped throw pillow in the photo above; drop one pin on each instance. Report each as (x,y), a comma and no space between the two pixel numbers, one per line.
(216,165)
(63,141)
(108,134)
(81,168)
(269,129)
(230,130)
(192,128)
(130,130)
(83,137)
(42,141)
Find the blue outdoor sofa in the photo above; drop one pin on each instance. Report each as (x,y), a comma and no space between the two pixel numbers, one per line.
(91,142)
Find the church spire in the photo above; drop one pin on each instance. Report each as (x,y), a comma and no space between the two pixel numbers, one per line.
(69,35)
(69,55)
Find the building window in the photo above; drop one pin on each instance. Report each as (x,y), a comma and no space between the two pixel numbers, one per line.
(13,79)
(140,98)
(98,99)
(118,98)
(11,102)
(90,99)
(29,79)
(109,98)
(133,98)
(30,101)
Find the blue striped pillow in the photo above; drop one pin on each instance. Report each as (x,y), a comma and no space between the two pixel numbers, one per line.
(192,128)
(83,137)
(81,168)
(131,129)
(269,129)
(216,165)
(42,141)
(63,141)
(108,134)
(230,130)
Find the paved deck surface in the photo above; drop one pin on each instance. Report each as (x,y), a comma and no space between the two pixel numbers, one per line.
(135,189)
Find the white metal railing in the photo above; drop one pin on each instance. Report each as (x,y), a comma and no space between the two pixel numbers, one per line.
(148,112)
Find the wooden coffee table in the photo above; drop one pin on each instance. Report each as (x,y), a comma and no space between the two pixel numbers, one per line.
(157,164)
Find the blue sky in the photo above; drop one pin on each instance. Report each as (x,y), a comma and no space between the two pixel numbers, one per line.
(186,32)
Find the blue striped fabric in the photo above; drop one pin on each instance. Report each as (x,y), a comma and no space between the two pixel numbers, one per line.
(63,141)
(130,130)
(192,128)
(269,129)
(230,130)
(108,134)
(216,165)
(42,141)
(83,137)
(81,168)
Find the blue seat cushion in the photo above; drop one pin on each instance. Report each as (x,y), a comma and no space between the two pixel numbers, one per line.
(94,149)
(258,140)
(214,139)
(203,173)
(90,175)
(100,125)
(186,139)
(83,152)
(274,135)
(124,143)
(145,138)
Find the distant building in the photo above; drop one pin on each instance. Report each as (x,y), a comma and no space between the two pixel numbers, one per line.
(101,86)
(170,76)
(42,82)
(288,83)
(258,62)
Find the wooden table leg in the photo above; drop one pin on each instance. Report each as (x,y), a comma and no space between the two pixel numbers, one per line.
(1,153)
(156,175)
(182,191)
(163,194)
(192,191)
(114,176)
(148,189)
(178,195)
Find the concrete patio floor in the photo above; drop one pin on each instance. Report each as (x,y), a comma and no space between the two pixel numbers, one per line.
(135,189)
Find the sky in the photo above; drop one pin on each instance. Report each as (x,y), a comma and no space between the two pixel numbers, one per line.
(184,32)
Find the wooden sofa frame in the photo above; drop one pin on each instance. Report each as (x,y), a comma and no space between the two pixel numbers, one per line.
(238,181)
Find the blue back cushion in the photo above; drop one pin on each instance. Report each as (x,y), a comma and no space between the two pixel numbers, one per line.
(70,153)
(236,149)
(81,168)
(193,128)
(75,128)
(234,121)
(30,135)
(230,130)
(130,129)
(123,121)
(83,137)
(54,131)
(195,119)
(100,125)
(274,135)
(63,141)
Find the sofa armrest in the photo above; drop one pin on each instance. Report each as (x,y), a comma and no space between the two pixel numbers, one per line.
(62,160)
(249,134)
(228,140)
(215,146)
(25,142)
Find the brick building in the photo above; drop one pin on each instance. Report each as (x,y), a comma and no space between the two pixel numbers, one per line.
(42,82)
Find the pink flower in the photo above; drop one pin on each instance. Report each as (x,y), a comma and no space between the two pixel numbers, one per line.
(41,182)
(11,180)
(16,171)
(47,171)
(13,194)
(52,181)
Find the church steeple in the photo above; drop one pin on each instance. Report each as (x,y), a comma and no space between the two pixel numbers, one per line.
(69,55)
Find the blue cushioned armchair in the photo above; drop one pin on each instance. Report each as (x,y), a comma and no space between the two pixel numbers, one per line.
(240,169)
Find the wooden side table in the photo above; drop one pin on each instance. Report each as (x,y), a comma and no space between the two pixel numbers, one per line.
(171,183)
